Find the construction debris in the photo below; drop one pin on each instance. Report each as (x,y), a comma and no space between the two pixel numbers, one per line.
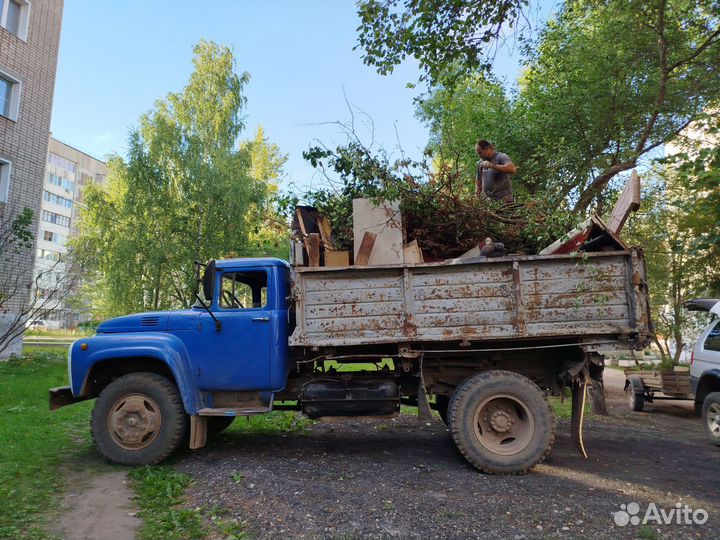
(381,233)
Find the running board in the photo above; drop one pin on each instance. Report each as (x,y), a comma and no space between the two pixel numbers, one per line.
(234,411)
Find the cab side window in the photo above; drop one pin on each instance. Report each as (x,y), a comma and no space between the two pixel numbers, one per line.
(243,290)
(712,342)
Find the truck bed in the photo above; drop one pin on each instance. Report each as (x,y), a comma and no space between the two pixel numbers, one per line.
(598,295)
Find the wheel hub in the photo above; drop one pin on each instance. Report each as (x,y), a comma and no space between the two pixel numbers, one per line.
(134,421)
(504,424)
(500,421)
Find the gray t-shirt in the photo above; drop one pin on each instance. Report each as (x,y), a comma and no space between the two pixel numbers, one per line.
(494,183)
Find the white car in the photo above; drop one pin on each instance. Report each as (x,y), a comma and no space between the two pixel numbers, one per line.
(705,368)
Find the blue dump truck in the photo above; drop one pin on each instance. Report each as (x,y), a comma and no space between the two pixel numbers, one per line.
(482,341)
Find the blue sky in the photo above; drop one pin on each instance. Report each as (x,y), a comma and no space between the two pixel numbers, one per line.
(117,58)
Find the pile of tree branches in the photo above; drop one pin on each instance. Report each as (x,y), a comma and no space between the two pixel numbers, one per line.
(439,207)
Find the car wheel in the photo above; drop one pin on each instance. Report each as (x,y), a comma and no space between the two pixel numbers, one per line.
(711,417)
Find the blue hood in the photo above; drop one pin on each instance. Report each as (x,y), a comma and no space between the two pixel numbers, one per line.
(153,321)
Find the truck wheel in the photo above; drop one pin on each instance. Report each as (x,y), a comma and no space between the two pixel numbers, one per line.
(138,419)
(635,400)
(218,424)
(442,402)
(501,422)
(711,417)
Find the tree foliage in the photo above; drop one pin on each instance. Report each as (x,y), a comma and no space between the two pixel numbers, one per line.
(612,80)
(186,191)
(605,84)
(445,36)
(25,295)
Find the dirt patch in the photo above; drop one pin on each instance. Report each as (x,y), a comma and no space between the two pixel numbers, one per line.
(98,507)
(405,479)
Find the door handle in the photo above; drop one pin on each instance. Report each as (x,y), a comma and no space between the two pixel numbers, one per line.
(261,319)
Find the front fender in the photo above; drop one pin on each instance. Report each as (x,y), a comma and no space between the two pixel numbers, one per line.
(167,348)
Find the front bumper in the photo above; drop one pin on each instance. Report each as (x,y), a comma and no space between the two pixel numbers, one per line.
(62,396)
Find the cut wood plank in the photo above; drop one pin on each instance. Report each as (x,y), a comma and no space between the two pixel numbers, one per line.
(337,258)
(325,232)
(301,221)
(312,244)
(628,202)
(366,248)
(385,221)
(412,254)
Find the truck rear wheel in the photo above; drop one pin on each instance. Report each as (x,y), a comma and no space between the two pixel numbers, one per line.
(138,419)
(501,422)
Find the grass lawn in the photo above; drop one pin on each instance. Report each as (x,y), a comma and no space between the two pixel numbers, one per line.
(35,442)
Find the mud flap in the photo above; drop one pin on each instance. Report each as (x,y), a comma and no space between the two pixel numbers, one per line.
(424,411)
(579,395)
(198,431)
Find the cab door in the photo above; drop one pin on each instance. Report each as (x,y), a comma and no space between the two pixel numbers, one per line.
(238,357)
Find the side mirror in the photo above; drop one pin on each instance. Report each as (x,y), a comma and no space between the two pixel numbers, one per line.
(208,281)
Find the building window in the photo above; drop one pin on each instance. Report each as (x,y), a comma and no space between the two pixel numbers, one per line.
(9,95)
(5,167)
(65,183)
(52,217)
(14,17)
(61,162)
(48,255)
(50,236)
(57,199)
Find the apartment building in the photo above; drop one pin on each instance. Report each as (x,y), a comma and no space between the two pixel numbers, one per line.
(68,171)
(29,41)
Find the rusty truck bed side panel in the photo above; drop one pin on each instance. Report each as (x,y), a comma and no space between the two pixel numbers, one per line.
(593,294)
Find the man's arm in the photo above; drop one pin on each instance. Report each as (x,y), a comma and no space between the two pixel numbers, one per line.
(504,164)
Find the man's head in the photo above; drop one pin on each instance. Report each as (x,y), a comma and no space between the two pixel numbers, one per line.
(485,149)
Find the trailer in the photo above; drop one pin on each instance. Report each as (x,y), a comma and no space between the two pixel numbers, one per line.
(646,386)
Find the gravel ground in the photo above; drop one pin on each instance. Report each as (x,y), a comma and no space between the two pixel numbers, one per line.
(404,479)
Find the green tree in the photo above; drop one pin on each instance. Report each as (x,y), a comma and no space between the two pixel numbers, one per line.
(186,191)
(443,35)
(610,81)
(605,84)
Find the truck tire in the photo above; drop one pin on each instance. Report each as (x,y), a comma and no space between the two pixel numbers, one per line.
(138,419)
(501,422)
(636,400)
(711,417)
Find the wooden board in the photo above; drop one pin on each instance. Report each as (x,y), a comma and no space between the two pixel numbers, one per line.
(628,202)
(385,222)
(412,254)
(366,248)
(337,258)
(312,244)
(325,232)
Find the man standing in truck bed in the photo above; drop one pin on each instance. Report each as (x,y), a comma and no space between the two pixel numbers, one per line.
(492,176)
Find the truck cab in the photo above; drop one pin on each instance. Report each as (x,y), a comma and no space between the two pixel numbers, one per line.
(225,356)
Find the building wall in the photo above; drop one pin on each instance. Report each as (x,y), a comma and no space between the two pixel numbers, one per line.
(24,140)
(68,171)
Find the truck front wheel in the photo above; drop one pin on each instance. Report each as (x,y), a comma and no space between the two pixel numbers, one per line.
(501,422)
(138,419)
